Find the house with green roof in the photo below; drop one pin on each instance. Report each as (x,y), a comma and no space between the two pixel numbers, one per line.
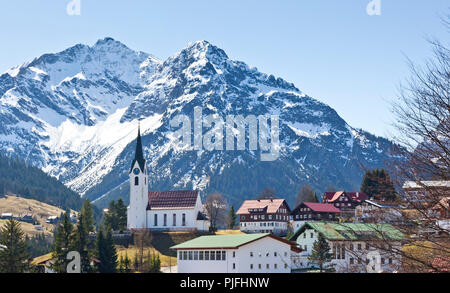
(236,253)
(356,247)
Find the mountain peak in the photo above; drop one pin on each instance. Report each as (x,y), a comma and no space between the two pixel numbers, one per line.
(204,50)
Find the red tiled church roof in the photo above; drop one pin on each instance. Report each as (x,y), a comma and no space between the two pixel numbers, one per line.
(272,205)
(172,199)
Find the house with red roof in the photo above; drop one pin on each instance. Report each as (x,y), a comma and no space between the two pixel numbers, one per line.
(313,211)
(176,210)
(345,201)
(264,216)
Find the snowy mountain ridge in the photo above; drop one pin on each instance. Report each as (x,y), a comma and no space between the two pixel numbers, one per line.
(75,115)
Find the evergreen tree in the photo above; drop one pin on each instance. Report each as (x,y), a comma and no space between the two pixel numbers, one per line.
(121,264)
(116,216)
(85,225)
(231,218)
(63,244)
(121,212)
(14,255)
(126,264)
(106,252)
(155,263)
(378,184)
(321,254)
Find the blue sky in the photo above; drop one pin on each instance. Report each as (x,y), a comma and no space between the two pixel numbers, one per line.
(332,50)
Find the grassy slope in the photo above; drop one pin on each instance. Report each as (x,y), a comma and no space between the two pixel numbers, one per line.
(20,206)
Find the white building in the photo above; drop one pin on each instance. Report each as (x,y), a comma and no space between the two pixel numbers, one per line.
(353,246)
(378,212)
(264,216)
(176,211)
(161,210)
(236,253)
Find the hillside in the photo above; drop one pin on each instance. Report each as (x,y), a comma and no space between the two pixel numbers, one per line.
(16,177)
(39,210)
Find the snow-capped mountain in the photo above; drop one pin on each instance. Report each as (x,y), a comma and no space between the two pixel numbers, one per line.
(75,115)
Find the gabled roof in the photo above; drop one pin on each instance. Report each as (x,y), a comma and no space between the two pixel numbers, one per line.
(384,204)
(139,154)
(352,231)
(226,241)
(180,199)
(272,205)
(322,207)
(355,196)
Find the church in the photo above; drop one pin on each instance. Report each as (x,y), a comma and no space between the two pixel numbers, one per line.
(181,210)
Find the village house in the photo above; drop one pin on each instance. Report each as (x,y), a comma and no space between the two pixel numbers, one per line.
(161,210)
(264,216)
(352,245)
(371,211)
(235,253)
(311,211)
(345,201)
(426,191)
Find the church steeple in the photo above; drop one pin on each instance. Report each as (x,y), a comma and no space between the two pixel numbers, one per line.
(139,154)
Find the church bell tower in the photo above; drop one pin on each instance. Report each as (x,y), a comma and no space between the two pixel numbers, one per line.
(137,211)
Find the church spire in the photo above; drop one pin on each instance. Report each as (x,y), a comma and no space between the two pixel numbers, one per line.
(139,154)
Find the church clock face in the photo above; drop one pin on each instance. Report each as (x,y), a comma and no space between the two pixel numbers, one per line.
(136,171)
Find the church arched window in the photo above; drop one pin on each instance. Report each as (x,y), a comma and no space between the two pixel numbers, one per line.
(136,180)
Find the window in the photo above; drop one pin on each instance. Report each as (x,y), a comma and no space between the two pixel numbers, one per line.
(351,246)
(195,255)
(224,255)
(218,254)
(312,235)
(285,265)
(267,266)
(165,219)
(390,261)
(275,254)
(359,246)
(267,254)
(259,266)
(136,180)
(184,255)
(234,253)
(251,253)
(234,266)
(367,246)
(174,219)
(275,266)
(351,261)
(206,255)
(285,253)
(304,235)
(183,220)
(212,255)
(382,261)
(180,255)
(200,255)
(251,266)
(155,220)
(190,255)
